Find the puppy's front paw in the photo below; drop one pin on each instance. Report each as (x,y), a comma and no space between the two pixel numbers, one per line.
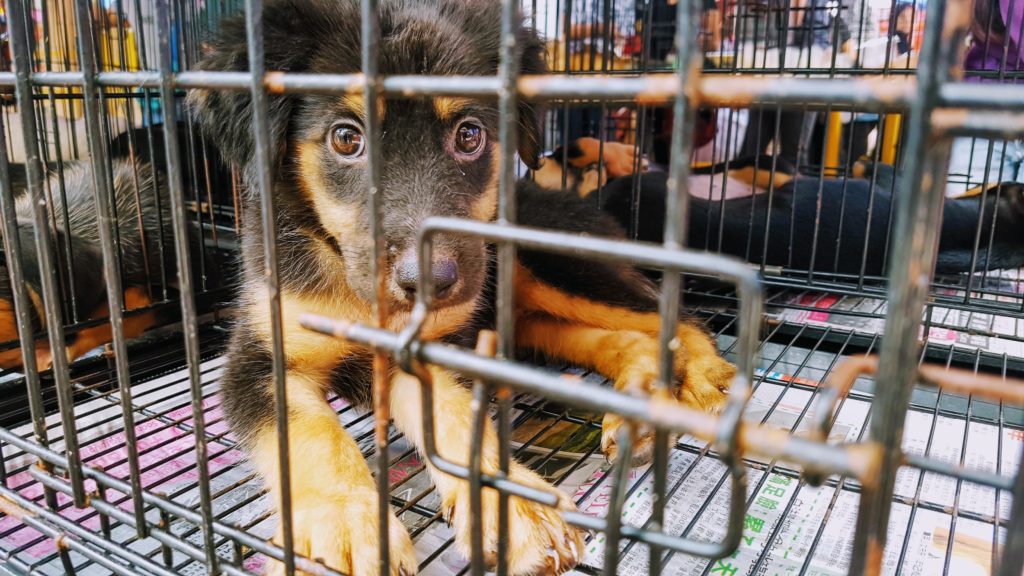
(703,383)
(621,159)
(540,542)
(643,442)
(342,532)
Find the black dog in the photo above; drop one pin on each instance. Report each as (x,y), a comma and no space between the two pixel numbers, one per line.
(841,225)
(439,157)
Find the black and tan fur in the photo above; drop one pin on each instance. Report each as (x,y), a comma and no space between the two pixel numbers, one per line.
(598,315)
(839,225)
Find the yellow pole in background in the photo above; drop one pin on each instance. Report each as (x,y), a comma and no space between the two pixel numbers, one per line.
(833,136)
(890,137)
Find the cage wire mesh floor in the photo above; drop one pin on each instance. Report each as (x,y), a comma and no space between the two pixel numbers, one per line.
(939,524)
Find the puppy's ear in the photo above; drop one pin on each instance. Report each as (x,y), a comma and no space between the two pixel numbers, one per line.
(532,60)
(226,117)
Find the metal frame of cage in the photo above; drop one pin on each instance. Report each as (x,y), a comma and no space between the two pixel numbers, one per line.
(934,106)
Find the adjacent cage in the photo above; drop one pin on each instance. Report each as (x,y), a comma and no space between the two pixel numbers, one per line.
(876,424)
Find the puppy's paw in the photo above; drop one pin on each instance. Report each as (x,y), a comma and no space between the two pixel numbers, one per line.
(643,442)
(702,384)
(342,532)
(618,159)
(705,382)
(540,542)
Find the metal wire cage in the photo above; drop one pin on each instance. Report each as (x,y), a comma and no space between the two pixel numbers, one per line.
(122,462)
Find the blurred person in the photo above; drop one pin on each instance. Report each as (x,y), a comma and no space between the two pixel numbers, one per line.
(995,55)
(661,52)
(893,51)
(661,40)
(819,24)
(591,40)
(904,17)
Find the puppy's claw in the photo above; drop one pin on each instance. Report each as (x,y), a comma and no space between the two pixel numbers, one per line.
(341,532)
(540,541)
(643,445)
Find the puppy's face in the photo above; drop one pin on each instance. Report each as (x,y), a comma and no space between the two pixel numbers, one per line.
(438,157)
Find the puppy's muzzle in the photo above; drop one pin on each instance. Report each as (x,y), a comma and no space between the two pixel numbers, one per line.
(444,274)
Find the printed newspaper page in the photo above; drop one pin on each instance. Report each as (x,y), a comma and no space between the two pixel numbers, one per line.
(787,524)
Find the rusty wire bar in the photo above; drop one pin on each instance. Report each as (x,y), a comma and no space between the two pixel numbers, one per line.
(263,180)
(675,234)
(370,39)
(945,378)
(13,247)
(107,221)
(916,234)
(17,23)
(889,93)
(613,522)
(487,345)
(22,306)
(508,66)
(1012,562)
(190,327)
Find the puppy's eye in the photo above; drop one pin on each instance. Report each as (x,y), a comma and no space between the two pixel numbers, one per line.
(470,138)
(347,141)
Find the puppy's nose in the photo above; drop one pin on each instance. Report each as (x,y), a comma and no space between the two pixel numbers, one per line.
(444,273)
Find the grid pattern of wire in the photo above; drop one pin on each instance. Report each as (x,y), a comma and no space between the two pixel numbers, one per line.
(793,363)
(189,525)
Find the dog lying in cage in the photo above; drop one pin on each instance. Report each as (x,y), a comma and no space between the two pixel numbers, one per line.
(439,157)
(77,230)
(145,242)
(834,225)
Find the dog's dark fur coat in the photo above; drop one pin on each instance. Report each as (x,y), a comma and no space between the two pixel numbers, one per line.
(843,225)
(146,253)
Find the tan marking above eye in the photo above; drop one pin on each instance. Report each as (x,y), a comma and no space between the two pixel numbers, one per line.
(356,104)
(449,107)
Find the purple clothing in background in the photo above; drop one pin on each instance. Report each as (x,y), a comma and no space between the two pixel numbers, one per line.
(978,58)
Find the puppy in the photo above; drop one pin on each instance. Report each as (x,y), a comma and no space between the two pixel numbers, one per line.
(439,158)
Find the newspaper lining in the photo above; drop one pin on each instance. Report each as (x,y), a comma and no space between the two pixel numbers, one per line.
(967,329)
(782,521)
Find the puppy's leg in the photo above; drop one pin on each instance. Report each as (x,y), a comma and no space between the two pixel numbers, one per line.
(630,359)
(134,325)
(333,495)
(619,159)
(540,541)
(11,358)
(702,373)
